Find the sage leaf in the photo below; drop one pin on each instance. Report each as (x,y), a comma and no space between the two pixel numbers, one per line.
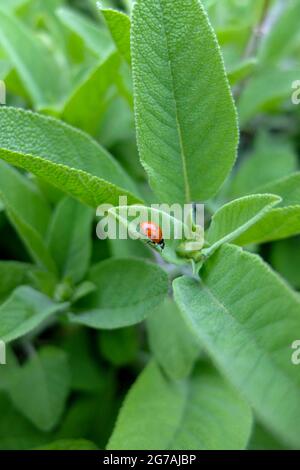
(234,218)
(278,224)
(120,347)
(119,26)
(25,310)
(282,34)
(12,275)
(174,228)
(69,444)
(187,138)
(246,317)
(22,434)
(69,238)
(63,156)
(241,71)
(285,259)
(269,87)
(40,389)
(288,188)
(93,34)
(42,78)
(27,211)
(274,157)
(98,86)
(128,290)
(201,413)
(171,342)
(86,373)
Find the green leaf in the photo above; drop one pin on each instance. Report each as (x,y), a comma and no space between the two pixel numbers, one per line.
(288,188)
(281,222)
(129,248)
(174,228)
(93,34)
(281,35)
(118,125)
(128,291)
(42,76)
(119,26)
(236,217)
(263,440)
(275,159)
(82,290)
(202,413)
(69,238)
(125,147)
(285,259)
(40,389)
(42,15)
(232,36)
(16,432)
(87,411)
(187,138)
(268,89)
(69,444)
(120,347)
(28,212)
(241,71)
(5,68)
(43,281)
(63,156)
(7,372)
(22,195)
(80,418)
(96,87)
(171,342)
(86,373)
(11,5)
(247,318)
(32,240)
(12,275)
(276,225)
(23,311)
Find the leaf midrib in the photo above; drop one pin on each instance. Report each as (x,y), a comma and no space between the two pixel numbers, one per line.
(275,231)
(187,391)
(70,169)
(180,139)
(231,236)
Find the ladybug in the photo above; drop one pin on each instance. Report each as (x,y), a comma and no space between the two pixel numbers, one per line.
(154,233)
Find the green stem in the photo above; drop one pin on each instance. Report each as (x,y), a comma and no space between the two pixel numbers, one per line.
(258,32)
(253,43)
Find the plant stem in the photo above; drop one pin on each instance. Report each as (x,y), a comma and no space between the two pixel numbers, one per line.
(252,47)
(28,348)
(258,32)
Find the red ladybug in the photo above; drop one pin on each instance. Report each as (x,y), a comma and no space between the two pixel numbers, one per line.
(154,233)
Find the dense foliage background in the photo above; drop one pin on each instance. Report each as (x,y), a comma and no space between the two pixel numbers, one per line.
(90,323)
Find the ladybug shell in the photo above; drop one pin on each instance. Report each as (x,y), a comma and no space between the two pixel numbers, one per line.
(152,231)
